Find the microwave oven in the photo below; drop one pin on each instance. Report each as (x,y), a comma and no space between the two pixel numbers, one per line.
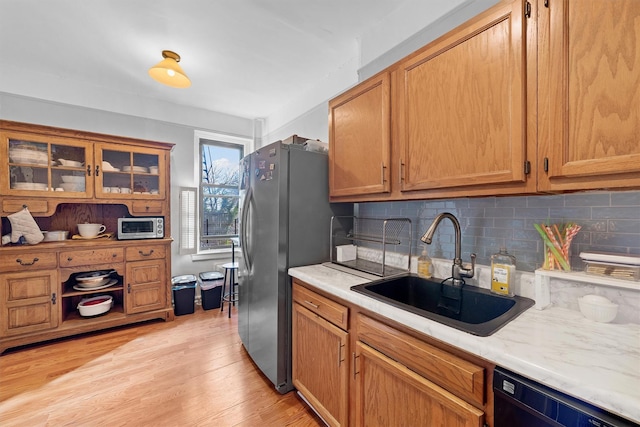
(141,228)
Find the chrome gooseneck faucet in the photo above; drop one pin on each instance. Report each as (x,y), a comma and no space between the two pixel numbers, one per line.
(458,272)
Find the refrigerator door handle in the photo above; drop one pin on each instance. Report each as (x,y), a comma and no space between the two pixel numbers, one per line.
(244,231)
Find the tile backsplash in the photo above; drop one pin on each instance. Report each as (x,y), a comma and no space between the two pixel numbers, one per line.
(610,223)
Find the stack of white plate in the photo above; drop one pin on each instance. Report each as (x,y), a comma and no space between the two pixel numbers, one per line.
(29,186)
(93,279)
(24,155)
(140,169)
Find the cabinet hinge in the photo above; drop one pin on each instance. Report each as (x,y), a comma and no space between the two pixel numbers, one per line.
(546,164)
(527,10)
(527,167)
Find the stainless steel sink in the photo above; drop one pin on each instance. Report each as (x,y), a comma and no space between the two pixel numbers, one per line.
(467,308)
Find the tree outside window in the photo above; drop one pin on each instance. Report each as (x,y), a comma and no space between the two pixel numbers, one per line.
(219,192)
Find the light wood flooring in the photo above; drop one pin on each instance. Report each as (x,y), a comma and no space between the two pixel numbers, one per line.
(189,372)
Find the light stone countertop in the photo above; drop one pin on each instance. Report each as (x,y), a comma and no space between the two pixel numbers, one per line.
(596,362)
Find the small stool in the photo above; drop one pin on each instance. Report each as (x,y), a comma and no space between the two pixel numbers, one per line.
(230,277)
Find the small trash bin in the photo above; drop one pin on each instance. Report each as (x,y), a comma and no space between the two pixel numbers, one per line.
(184,294)
(211,289)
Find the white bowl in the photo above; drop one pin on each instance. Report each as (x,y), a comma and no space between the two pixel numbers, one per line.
(72,178)
(95,305)
(55,236)
(72,186)
(597,308)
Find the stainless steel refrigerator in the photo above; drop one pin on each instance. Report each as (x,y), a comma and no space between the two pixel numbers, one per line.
(284,222)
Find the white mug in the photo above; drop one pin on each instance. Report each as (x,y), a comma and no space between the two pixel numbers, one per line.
(90,230)
(125,190)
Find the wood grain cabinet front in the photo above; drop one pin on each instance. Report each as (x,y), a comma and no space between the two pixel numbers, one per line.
(91,257)
(388,393)
(589,67)
(360,139)
(28,302)
(320,356)
(146,286)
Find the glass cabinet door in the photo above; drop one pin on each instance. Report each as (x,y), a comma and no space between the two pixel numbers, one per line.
(37,166)
(130,172)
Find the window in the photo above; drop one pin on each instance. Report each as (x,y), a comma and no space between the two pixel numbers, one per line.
(219,193)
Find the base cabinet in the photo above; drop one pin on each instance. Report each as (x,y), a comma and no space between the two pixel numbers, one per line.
(146,286)
(39,295)
(356,369)
(320,356)
(388,393)
(29,302)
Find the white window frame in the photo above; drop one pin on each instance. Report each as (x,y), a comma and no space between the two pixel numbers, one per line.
(248,145)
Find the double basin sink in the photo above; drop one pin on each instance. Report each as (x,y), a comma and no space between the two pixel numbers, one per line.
(466,308)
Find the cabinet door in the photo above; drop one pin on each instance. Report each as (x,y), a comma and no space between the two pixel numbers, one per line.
(146,286)
(28,302)
(388,393)
(589,98)
(320,365)
(461,105)
(45,165)
(130,172)
(360,139)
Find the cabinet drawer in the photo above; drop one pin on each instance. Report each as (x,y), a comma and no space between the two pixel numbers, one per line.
(330,310)
(458,376)
(89,257)
(147,207)
(143,252)
(34,206)
(28,261)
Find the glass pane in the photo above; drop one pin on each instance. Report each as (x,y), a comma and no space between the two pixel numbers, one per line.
(142,162)
(28,178)
(207,243)
(220,191)
(67,156)
(220,216)
(26,152)
(68,180)
(116,160)
(220,165)
(145,184)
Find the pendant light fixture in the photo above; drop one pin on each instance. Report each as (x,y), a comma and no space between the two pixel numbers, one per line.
(168,71)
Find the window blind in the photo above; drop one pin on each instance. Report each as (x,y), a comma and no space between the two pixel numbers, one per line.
(188,224)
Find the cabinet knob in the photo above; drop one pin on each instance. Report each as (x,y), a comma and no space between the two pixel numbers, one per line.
(69,258)
(25,263)
(53,298)
(128,288)
(97,170)
(114,255)
(88,170)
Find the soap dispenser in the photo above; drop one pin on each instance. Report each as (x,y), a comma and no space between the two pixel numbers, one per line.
(503,272)
(425,267)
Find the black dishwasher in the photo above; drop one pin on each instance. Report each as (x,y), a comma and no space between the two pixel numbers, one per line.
(521,402)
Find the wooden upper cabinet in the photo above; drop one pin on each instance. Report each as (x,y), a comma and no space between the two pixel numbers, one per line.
(461,105)
(360,139)
(589,70)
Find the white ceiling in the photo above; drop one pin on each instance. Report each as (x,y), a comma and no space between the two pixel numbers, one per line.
(244,57)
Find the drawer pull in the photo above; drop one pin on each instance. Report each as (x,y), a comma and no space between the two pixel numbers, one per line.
(355,371)
(316,306)
(19,261)
(147,253)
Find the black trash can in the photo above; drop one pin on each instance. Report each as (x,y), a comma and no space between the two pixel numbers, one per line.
(211,289)
(184,294)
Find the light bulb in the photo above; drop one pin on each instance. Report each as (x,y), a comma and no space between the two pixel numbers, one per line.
(171,73)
